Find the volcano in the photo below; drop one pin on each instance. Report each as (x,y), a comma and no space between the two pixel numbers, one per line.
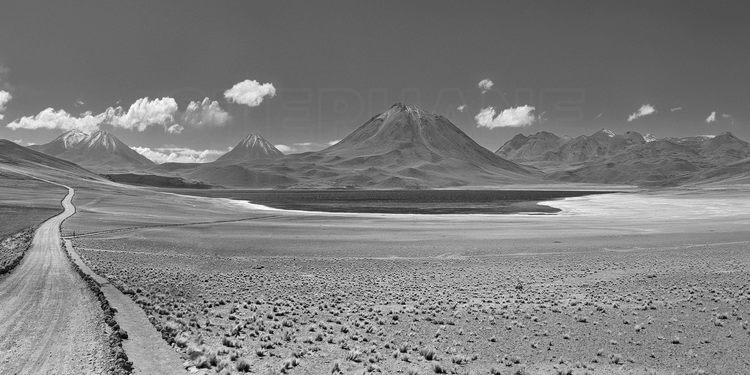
(406,136)
(252,148)
(99,151)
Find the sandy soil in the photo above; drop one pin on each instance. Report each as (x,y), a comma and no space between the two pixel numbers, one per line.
(51,322)
(631,283)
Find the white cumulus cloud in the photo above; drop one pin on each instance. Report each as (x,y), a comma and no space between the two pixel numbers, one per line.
(5,97)
(175,129)
(296,148)
(509,117)
(711,118)
(58,119)
(205,113)
(645,110)
(675,109)
(283,148)
(485,85)
(250,92)
(161,155)
(144,113)
(461,107)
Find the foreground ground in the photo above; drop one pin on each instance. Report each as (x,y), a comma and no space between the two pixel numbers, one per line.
(647,283)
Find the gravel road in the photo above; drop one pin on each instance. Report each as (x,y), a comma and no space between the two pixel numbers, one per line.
(50,321)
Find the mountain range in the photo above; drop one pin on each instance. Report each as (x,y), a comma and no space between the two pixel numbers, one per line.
(403,147)
(408,147)
(630,158)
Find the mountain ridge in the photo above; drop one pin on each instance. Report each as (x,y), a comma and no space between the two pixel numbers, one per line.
(15,155)
(628,158)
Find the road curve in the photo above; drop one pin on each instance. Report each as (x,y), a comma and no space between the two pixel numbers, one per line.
(50,322)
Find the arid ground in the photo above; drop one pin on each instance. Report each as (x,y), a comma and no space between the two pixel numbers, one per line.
(650,282)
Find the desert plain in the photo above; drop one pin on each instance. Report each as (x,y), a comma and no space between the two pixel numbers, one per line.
(651,282)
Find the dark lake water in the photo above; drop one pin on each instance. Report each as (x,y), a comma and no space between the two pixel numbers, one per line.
(399,201)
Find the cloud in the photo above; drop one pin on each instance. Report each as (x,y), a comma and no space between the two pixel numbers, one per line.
(206,113)
(161,155)
(509,117)
(5,97)
(143,113)
(58,119)
(250,93)
(675,109)
(299,147)
(175,129)
(283,148)
(711,118)
(461,107)
(645,110)
(79,103)
(485,85)
(599,116)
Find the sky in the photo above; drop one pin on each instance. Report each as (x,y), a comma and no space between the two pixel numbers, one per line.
(192,78)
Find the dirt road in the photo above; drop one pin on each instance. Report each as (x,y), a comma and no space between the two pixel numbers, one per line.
(50,322)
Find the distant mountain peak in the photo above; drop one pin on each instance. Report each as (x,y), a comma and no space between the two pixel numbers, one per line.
(98,150)
(252,147)
(412,110)
(73,137)
(101,138)
(606,132)
(252,140)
